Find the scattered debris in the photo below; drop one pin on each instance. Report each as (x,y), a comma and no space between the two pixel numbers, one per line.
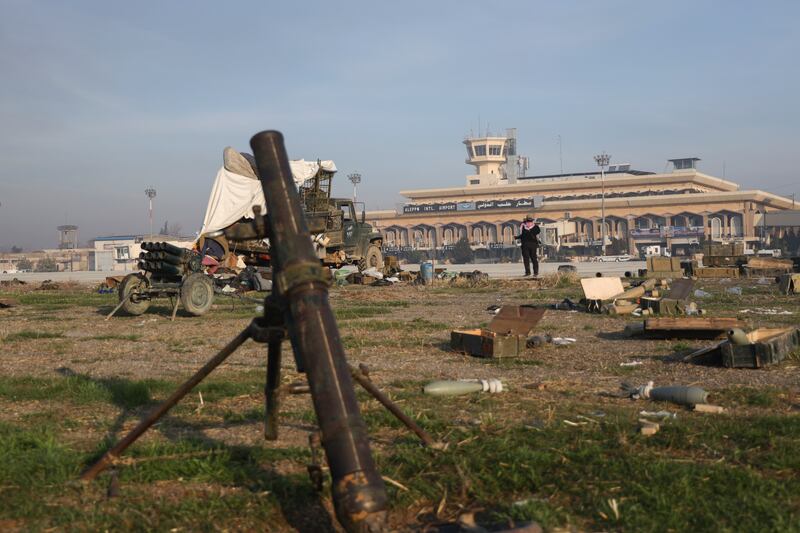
(505,336)
(560,341)
(48,285)
(736,291)
(12,282)
(632,363)
(658,414)
(700,293)
(567,305)
(648,428)
(464,386)
(765,311)
(708,408)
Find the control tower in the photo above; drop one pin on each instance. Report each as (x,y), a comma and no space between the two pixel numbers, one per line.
(488,155)
(495,159)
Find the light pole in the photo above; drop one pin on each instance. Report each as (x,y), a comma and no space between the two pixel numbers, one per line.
(150,192)
(602,161)
(355,178)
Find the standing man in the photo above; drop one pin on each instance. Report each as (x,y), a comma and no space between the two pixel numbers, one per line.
(529,242)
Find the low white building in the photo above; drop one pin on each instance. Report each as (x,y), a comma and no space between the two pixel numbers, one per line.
(125,249)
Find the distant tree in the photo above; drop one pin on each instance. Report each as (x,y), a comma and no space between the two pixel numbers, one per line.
(24,264)
(47,264)
(16,249)
(462,252)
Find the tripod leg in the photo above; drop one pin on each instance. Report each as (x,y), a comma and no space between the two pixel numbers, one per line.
(109,457)
(271,391)
(376,393)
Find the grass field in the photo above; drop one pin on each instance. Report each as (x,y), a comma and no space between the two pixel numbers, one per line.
(558,447)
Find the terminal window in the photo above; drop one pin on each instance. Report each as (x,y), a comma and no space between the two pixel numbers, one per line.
(480,149)
(494,149)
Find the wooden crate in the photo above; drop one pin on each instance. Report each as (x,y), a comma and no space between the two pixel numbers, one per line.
(486,343)
(717,272)
(505,336)
(767,346)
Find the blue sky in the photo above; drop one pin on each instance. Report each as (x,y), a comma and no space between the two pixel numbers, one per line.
(99,100)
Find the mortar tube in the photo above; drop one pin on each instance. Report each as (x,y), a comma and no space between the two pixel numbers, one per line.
(359,495)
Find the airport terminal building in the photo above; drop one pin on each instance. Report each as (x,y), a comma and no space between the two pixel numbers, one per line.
(676,209)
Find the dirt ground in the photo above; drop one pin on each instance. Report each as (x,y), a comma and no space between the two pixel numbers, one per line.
(401,333)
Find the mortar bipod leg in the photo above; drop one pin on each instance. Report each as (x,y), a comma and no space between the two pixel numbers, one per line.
(271,390)
(362,379)
(111,455)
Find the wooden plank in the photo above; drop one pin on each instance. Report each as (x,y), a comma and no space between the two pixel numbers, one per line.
(688,323)
(601,288)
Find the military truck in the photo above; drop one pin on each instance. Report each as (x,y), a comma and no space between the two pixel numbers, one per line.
(340,234)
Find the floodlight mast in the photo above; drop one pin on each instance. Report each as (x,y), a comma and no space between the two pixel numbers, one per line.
(355,179)
(602,161)
(150,192)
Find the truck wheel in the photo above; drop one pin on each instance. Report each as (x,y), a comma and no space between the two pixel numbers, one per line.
(373,258)
(197,294)
(132,286)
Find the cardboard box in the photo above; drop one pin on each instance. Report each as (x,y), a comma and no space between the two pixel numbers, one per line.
(505,336)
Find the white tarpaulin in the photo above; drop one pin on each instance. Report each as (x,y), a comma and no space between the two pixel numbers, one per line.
(233,195)
(303,170)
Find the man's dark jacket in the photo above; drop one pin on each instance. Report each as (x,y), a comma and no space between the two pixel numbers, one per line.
(530,236)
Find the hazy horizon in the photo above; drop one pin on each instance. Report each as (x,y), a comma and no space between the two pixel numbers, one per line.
(100,100)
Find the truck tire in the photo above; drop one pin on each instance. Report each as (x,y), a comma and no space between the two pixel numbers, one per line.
(373,258)
(197,294)
(133,285)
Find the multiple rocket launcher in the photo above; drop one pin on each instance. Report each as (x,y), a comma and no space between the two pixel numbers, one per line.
(166,260)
